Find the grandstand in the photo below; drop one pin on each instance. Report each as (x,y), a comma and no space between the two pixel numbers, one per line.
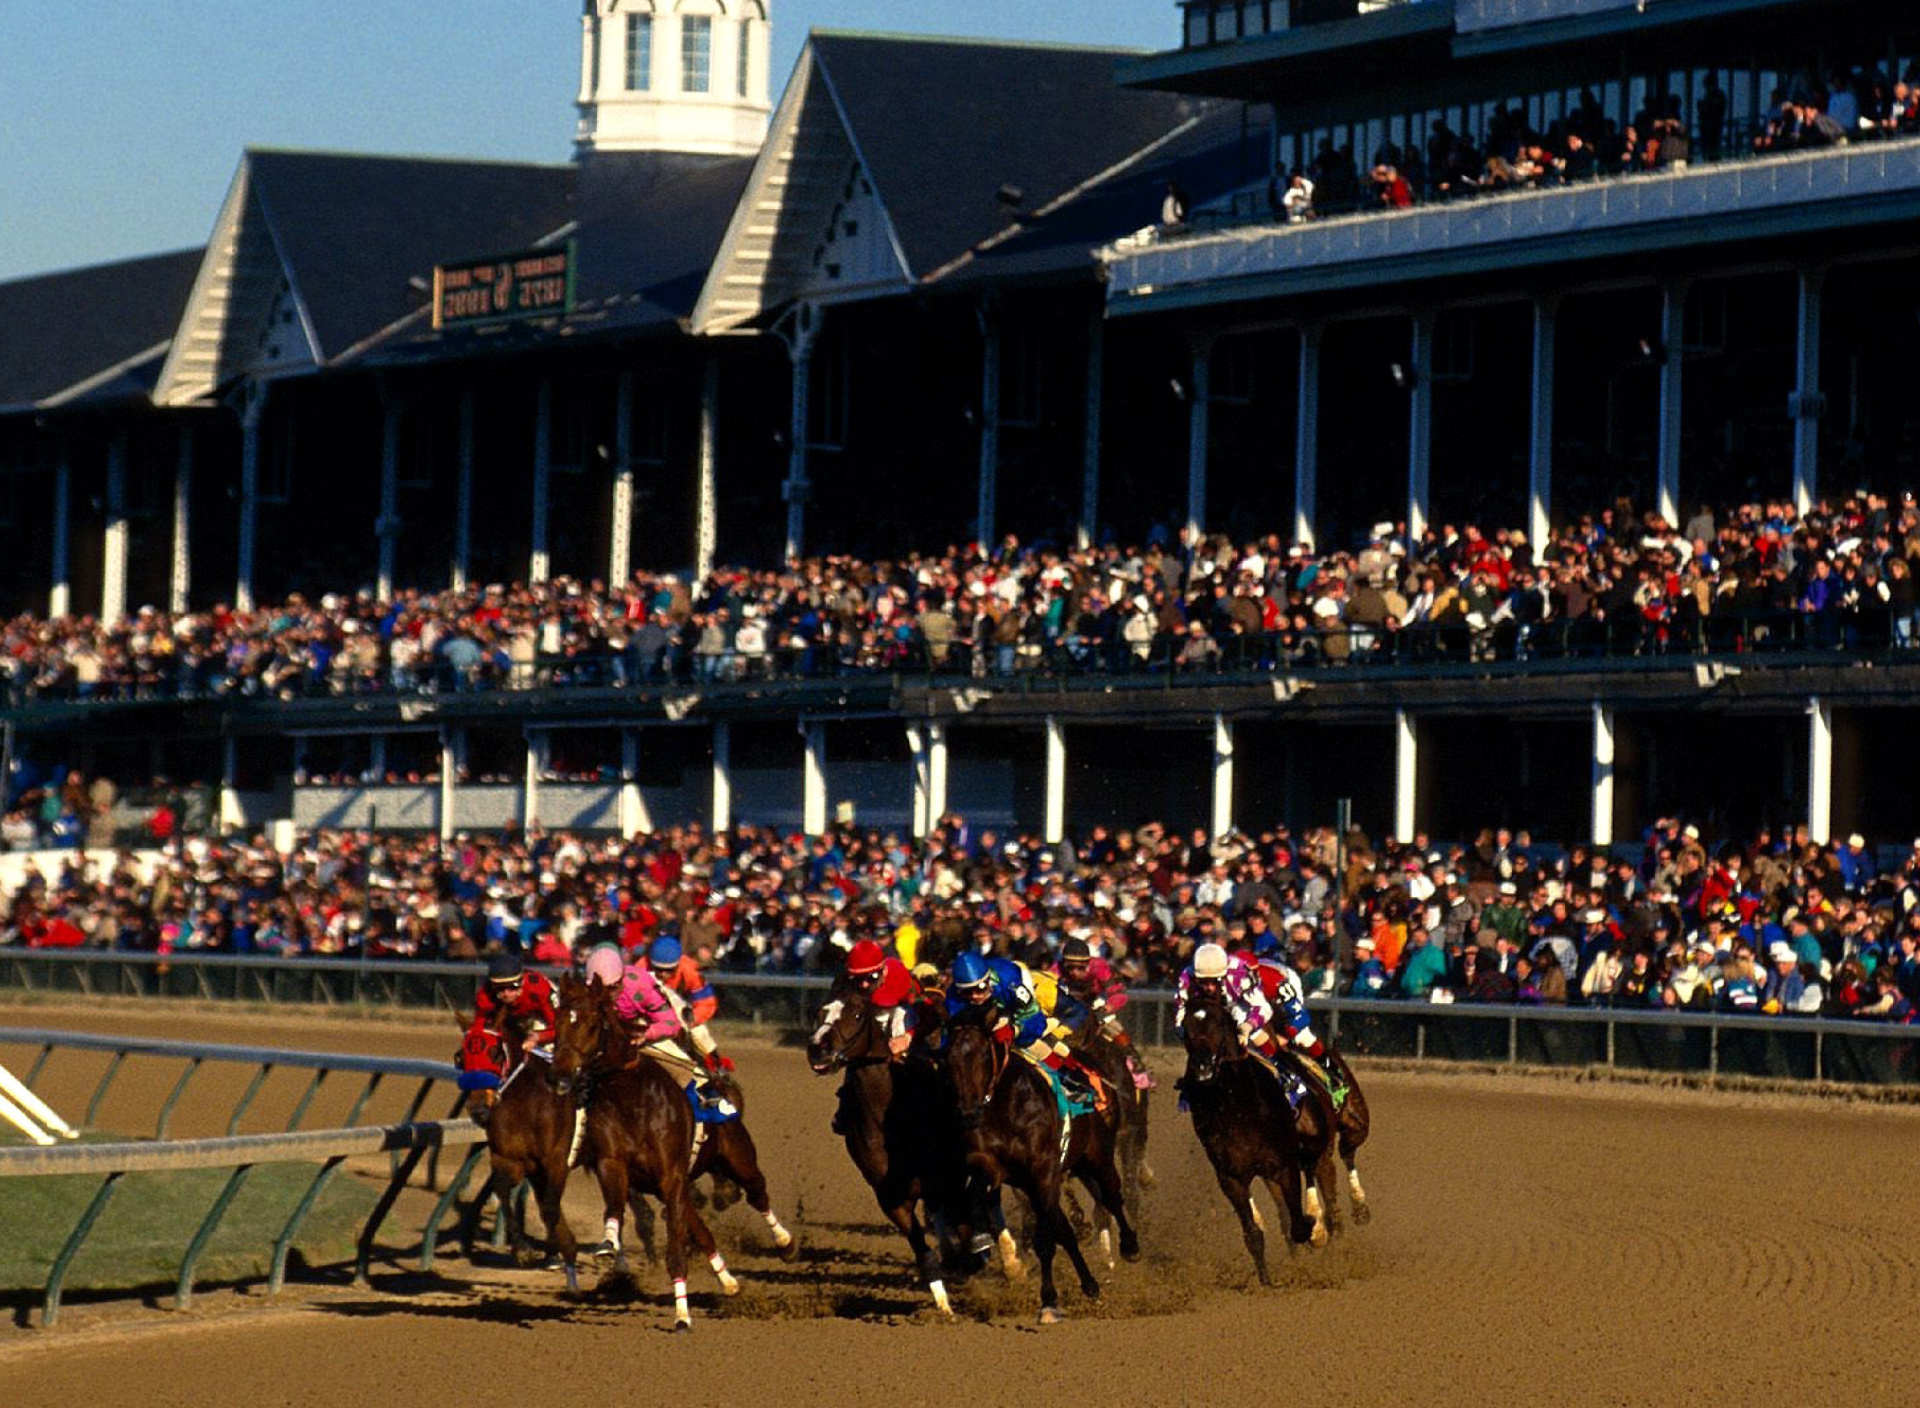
(1540,256)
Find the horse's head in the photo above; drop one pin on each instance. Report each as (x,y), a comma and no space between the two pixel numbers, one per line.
(845,1034)
(584,1016)
(482,1062)
(1211,1034)
(975,1058)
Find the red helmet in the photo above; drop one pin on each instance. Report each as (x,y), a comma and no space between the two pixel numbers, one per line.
(865,957)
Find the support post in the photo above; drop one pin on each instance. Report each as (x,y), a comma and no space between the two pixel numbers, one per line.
(986,509)
(1089,527)
(1306,441)
(634,820)
(1819,770)
(800,331)
(60,593)
(620,536)
(463,494)
(252,415)
(387,527)
(1056,809)
(1222,776)
(537,755)
(1540,452)
(1602,815)
(706,528)
(232,818)
(1199,430)
(1406,774)
(1420,427)
(927,746)
(113,558)
(1673,331)
(813,783)
(452,752)
(1807,404)
(722,776)
(180,567)
(539,563)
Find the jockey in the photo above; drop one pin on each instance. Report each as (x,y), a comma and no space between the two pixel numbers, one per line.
(1090,981)
(1041,1038)
(891,989)
(1213,975)
(655,1017)
(514,1002)
(680,978)
(1280,985)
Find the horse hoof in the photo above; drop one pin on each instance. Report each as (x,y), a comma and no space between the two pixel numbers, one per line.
(1050,1315)
(573,1281)
(1362,1214)
(1130,1250)
(791,1251)
(606,1251)
(683,1327)
(1090,1289)
(1318,1238)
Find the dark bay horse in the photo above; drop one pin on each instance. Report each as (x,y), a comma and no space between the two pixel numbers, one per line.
(900,1129)
(1250,1132)
(1115,1065)
(1013,1135)
(1352,1122)
(639,1134)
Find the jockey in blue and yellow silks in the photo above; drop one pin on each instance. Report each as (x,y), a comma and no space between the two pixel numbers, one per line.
(1039,1036)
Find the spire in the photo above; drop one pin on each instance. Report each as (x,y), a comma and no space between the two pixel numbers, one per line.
(673,76)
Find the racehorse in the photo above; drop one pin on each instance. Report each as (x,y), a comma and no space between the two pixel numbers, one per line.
(1114,1064)
(1352,1122)
(1014,1135)
(639,1133)
(1250,1131)
(900,1130)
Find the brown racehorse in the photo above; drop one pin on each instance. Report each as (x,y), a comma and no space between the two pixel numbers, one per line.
(899,1126)
(1114,1065)
(639,1130)
(1249,1130)
(1352,1123)
(1013,1134)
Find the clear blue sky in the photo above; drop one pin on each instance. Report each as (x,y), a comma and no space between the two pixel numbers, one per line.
(121,123)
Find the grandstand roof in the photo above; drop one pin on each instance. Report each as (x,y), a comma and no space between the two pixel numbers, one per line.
(83,334)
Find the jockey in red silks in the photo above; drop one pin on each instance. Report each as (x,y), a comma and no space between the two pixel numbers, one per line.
(892,990)
(514,1003)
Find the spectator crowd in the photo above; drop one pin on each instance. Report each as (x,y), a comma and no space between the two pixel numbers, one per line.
(1759,576)
(1776,925)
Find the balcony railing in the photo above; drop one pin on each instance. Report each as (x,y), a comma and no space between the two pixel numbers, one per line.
(1209,22)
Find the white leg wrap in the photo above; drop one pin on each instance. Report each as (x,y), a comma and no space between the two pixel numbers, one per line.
(579,1134)
(727,1283)
(1106,1247)
(940,1300)
(1258,1221)
(613,1230)
(1353,1182)
(781,1237)
(680,1312)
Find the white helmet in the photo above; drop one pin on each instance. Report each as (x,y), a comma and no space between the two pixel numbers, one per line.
(1209,961)
(607,965)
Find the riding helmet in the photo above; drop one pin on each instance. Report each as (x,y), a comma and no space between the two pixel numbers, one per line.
(664,952)
(865,957)
(1209,961)
(969,970)
(606,965)
(1076,951)
(504,968)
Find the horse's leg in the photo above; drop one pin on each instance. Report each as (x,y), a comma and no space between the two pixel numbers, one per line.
(1046,1233)
(1143,1174)
(1355,1124)
(616,1191)
(1322,1190)
(1047,1204)
(898,1209)
(508,1174)
(1240,1197)
(1285,1187)
(549,1186)
(679,1210)
(644,1223)
(1107,1185)
(742,1161)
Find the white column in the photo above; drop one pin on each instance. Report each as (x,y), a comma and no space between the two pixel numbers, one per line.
(722,776)
(706,527)
(634,820)
(813,781)
(452,751)
(1406,774)
(987,509)
(537,755)
(538,561)
(802,329)
(1056,817)
(589,52)
(1199,430)
(936,773)
(113,556)
(1819,770)
(620,536)
(1540,453)
(180,568)
(1089,528)
(253,413)
(463,494)
(1673,331)
(386,527)
(1807,405)
(922,767)
(1222,776)
(1420,426)
(1601,829)
(377,757)
(1306,440)
(60,593)
(231,817)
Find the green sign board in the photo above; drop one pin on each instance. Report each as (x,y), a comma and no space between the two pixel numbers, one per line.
(535,284)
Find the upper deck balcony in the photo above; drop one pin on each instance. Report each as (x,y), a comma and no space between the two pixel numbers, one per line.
(1819,192)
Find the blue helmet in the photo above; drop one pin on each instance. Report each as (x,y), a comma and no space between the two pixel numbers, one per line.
(969,970)
(664,951)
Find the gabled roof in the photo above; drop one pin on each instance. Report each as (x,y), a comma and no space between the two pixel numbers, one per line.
(889,155)
(89,332)
(314,253)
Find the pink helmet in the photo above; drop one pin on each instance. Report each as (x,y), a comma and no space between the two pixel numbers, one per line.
(606,965)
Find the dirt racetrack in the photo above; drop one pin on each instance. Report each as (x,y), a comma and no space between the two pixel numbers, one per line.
(1535,1241)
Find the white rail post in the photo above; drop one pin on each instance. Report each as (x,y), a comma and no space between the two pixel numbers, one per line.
(1306,440)
(722,776)
(1222,776)
(1819,770)
(1602,813)
(1406,774)
(813,785)
(1056,809)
